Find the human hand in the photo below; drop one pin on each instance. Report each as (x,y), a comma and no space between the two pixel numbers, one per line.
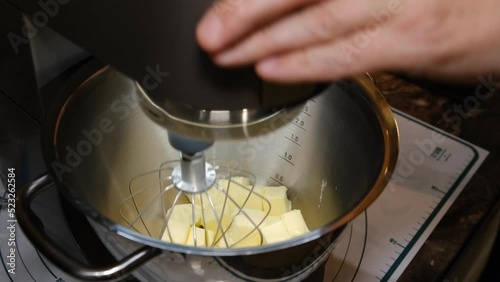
(320,40)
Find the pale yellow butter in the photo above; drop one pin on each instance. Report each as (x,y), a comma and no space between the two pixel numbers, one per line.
(271,219)
(241,193)
(278,201)
(295,223)
(243,232)
(200,237)
(177,232)
(222,243)
(184,213)
(255,198)
(210,237)
(210,220)
(207,198)
(241,180)
(246,221)
(275,232)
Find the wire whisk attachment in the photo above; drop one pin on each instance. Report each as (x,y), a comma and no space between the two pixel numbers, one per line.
(228,214)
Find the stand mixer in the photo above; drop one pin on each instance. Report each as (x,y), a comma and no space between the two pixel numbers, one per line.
(197,102)
(184,127)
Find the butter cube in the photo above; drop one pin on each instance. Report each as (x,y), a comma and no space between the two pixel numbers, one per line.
(211,220)
(275,232)
(222,243)
(210,237)
(241,193)
(255,198)
(278,200)
(241,180)
(203,199)
(295,223)
(184,213)
(177,232)
(244,230)
(271,219)
(200,237)
(236,181)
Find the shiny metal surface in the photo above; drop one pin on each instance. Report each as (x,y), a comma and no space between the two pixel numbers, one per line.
(193,174)
(335,157)
(210,125)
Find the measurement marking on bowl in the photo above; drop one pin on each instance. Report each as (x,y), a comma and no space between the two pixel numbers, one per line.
(299,123)
(273,178)
(287,157)
(305,110)
(324,182)
(294,139)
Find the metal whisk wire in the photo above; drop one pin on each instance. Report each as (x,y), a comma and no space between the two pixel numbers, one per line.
(134,194)
(156,192)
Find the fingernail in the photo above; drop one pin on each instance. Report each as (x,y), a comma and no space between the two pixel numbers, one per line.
(228,57)
(268,65)
(209,30)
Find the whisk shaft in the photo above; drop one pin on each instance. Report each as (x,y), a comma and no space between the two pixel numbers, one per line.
(193,171)
(193,175)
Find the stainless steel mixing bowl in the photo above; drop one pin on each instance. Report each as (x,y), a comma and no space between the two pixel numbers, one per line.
(335,154)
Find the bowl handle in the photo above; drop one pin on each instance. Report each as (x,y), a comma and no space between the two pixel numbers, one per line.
(30,225)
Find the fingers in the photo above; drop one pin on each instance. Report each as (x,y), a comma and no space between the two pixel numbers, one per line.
(229,20)
(334,60)
(318,23)
(324,41)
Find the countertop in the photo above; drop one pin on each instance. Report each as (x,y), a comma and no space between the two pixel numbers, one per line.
(472,113)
